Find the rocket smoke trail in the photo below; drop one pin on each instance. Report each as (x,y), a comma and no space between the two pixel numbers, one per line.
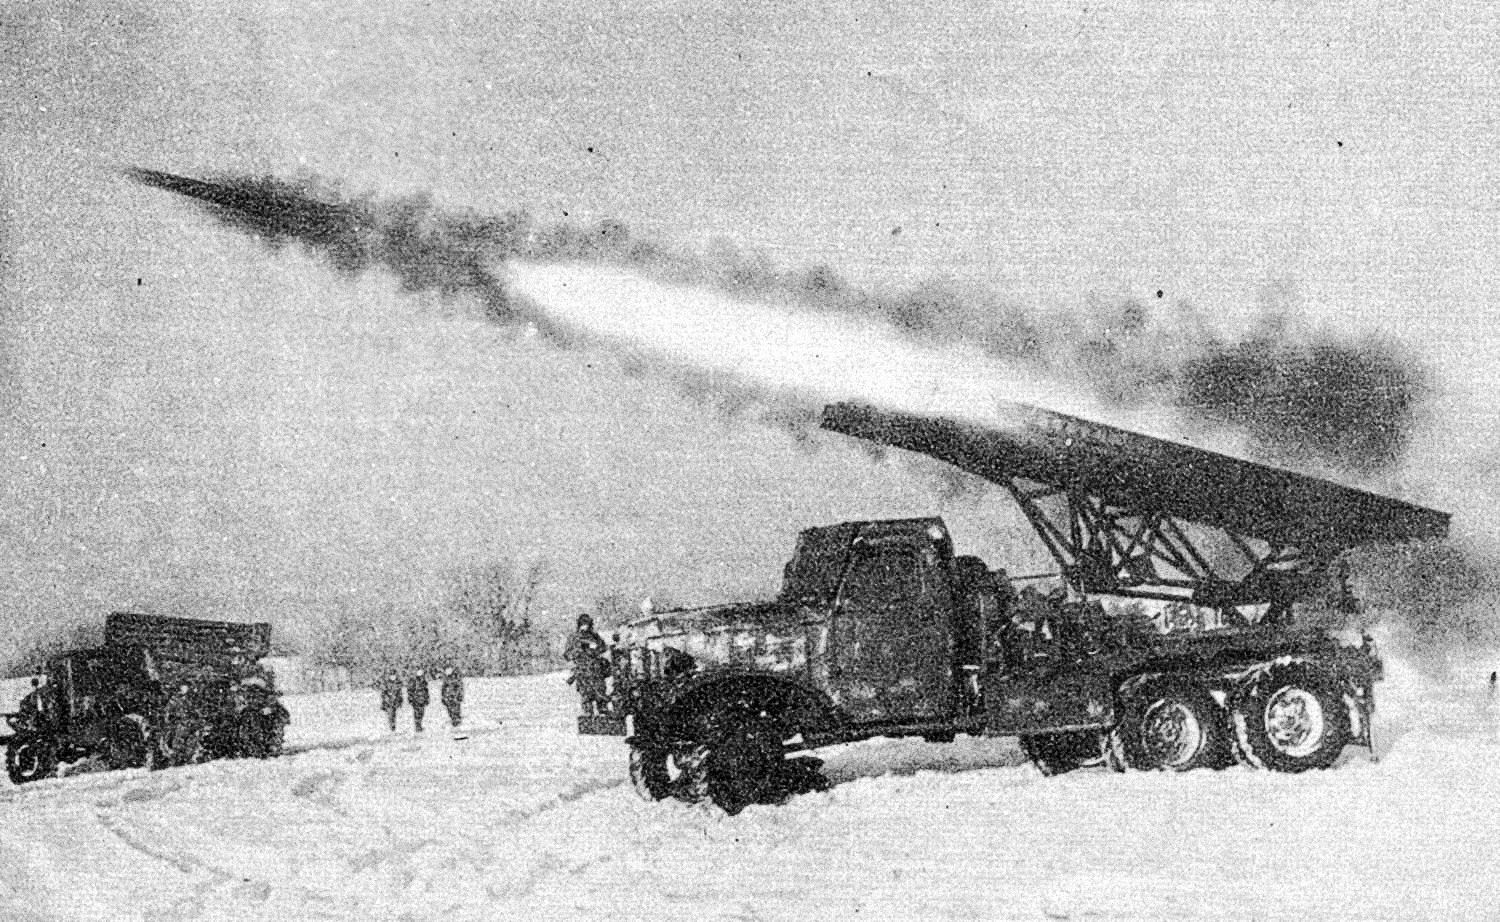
(278,211)
(1299,398)
(446,253)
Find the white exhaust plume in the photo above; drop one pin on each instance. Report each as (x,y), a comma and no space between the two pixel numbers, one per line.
(817,357)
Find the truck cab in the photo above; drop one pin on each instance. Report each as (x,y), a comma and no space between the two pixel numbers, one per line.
(892,636)
(94,701)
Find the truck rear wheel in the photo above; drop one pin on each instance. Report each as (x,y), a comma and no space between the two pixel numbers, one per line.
(260,735)
(30,758)
(130,744)
(1290,718)
(182,742)
(1171,724)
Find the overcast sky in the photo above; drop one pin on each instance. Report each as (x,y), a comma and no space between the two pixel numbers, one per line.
(189,417)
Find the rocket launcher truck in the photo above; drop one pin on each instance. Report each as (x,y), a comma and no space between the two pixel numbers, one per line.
(160,691)
(1186,628)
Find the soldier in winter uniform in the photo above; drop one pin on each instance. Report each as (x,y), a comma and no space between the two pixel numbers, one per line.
(452,694)
(586,650)
(390,696)
(417,696)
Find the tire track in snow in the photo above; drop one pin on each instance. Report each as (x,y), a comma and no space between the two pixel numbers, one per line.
(604,843)
(569,796)
(111,794)
(190,866)
(372,740)
(330,789)
(547,864)
(184,864)
(319,788)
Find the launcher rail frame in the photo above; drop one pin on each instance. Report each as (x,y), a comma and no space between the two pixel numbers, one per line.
(1132,515)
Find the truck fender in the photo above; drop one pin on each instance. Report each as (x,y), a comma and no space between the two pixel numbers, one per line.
(803,708)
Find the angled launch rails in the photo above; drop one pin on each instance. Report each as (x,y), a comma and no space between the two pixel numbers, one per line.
(1128,514)
(1137,472)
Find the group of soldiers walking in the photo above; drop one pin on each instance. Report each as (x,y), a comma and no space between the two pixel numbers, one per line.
(413,690)
(586,650)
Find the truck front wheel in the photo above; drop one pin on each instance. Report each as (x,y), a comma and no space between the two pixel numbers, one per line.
(1171,725)
(181,743)
(740,764)
(741,760)
(1290,718)
(30,758)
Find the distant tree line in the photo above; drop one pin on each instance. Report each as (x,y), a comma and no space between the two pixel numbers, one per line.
(484,627)
(31,656)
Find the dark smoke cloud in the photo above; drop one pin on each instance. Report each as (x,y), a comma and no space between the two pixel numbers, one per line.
(1436,599)
(1298,395)
(1351,402)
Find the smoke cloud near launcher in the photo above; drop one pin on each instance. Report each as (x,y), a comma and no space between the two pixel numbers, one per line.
(732,329)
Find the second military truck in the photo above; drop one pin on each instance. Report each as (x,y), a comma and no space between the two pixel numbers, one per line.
(160,691)
(880,630)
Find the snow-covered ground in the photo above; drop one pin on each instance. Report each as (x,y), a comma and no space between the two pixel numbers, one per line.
(525,819)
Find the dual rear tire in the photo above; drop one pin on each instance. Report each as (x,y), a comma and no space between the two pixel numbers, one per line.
(1170,724)
(1289,717)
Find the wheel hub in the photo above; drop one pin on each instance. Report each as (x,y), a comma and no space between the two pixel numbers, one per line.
(1294,721)
(684,761)
(1171,733)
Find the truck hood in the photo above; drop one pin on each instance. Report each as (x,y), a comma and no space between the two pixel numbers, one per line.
(770,636)
(736,617)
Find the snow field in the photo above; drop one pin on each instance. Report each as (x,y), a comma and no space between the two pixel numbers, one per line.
(525,819)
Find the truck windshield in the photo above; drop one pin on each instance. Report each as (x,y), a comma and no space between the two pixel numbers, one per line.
(812,576)
(884,575)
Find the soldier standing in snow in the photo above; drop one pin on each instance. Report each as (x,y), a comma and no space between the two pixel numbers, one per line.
(586,650)
(390,696)
(452,694)
(416,694)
